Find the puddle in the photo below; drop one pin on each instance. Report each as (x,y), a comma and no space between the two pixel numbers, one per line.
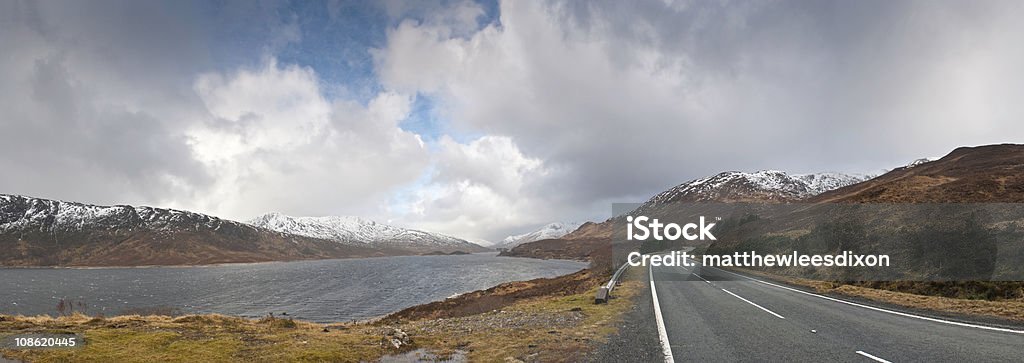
(423,355)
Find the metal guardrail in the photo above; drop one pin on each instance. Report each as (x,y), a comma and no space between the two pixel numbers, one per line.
(605,292)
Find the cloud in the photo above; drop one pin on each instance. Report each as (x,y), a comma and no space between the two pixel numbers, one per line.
(627,99)
(537,111)
(275,143)
(482,190)
(124,103)
(76,123)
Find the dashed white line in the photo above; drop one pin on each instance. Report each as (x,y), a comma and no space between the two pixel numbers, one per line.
(861,352)
(957,323)
(702,278)
(666,349)
(752,303)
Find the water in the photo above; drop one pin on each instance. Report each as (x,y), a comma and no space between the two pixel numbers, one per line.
(320,291)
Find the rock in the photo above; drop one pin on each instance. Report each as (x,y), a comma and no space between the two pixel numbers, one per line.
(396,339)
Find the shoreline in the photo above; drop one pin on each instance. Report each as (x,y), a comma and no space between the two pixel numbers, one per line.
(318,313)
(220,264)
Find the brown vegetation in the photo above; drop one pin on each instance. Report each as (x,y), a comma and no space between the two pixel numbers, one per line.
(501,296)
(982,174)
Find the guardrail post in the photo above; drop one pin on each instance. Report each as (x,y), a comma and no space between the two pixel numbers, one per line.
(605,292)
(602,295)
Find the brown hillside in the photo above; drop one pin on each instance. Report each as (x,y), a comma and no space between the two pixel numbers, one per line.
(982,174)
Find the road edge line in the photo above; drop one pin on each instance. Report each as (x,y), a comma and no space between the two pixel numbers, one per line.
(666,349)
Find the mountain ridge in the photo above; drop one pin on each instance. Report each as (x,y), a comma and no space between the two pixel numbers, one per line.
(978,174)
(46,232)
(548,231)
(350,229)
(772,186)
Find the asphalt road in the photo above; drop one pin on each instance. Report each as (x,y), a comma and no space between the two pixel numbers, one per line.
(709,314)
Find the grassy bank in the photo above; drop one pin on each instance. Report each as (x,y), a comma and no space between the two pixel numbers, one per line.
(531,321)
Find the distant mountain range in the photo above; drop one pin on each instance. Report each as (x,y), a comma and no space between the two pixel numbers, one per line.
(43,232)
(992,173)
(359,231)
(765,185)
(548,231)
(734,186)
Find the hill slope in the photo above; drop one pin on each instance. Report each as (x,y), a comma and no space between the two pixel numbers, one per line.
(42,232)
(991,173)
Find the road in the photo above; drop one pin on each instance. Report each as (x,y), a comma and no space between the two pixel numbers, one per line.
(708,314)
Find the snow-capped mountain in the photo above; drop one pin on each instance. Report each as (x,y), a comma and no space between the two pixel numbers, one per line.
(734,186)
(731,186)
(765,185)
(348,230)
(920,161)
(26,214)
(43,232)
(549,231)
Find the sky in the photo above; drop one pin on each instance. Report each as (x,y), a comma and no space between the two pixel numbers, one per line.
(484,119)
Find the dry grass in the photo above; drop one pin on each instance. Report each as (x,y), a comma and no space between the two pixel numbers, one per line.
(208,338)
(1004,309)
(527,333)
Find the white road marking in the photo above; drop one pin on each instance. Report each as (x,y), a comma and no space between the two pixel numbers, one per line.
(705,280)
(666,349)
(957,323)
(752,303)
(861,352)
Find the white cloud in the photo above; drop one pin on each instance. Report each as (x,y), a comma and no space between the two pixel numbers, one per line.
(481,190)
(272,108)
(275,143)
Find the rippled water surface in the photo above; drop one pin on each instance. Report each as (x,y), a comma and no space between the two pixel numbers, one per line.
(322,291)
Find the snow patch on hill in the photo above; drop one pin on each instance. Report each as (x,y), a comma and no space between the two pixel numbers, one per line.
(760,185)
(549,231)
(347,229)
(20,213)
(920,161)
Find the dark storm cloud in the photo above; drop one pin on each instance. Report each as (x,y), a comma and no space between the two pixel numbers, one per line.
(93,100)
(96,97)
(807,86)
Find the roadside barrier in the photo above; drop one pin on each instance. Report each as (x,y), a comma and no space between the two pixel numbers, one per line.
(605,292)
